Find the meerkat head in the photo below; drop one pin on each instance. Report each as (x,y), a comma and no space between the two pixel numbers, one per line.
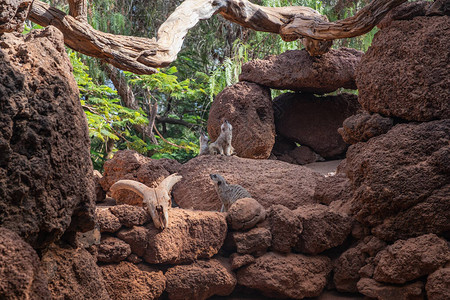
(204,139)
(226,126)
(217,179)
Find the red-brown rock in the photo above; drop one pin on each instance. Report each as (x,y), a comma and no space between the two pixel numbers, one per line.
(21,275)
(406,260)
(313,121)
(285,226)
(73,274)
(245,213)
(269,182)
(136,237)
(190,235)
(14,14)
(112,249)
(128,164)
(405,11)
(45,166)
(238,260)
(380,291)
(296,70)
(200,280)
(128,281)
(299,155)
(333,188)
(292,276)
(405,71)
(106,220)
(438,284)
(248,107)
(256,241)
(100,194)
(129,215)
(323,228)
(363,126)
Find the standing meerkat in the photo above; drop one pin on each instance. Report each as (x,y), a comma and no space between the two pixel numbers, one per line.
(204,147)
(223,143)
(228,193)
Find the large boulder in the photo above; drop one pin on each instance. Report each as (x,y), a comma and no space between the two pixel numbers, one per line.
(376,290)
(285,226)
(200,280)
(401,180)
(46,172)
(438,284)
(128,281)
(292,276)
(13,15)
(313,121)
(363,126)
(21,274)
(405,71)
(248,107)
(73,274)
(298,71)
(269,182)
(333,188)
(129,164)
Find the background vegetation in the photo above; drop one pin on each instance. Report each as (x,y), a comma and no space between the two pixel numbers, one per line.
(118,104)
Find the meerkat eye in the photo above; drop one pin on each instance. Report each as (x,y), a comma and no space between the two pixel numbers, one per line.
(219,182)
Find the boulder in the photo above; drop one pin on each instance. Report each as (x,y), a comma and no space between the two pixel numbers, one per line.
(405,11)
(106,220)
(292,276)
(323,228)
(73,274)
(405,73)
(438,284)
(130,216)
(200,280)
(285,226)
(269,182)
(190,235)
(137,237)
(239,260)
(298,71)
(299,155)
(363,126)
(46,181)
(112,249)
(245,213)
(248,107)
(373,289)
(21,274)
(400,175)
(256,241)
(128,281)
(313,121)
(333,188)
(406,260)
(129,164)
(14,14)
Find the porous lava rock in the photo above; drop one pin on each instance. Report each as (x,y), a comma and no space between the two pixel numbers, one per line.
(13,15)
(239,260)
(21,274)
(73,274)
(248,108)
(333,188)
(100,194)
(129,215)
(46,171)
(256,240)
(190,235)
(323,228)
(129,164)
(405,73)
(268,181)
(106,221)
(298,71)
(285,226)
(136,237)
(363,126)
(112,249)
(200,280)
(128,281)
(406,260)
(313,121)
(376,290)
(400,175)
(299,155)
(405,11)
(245,213)
(438,284)
(291,275)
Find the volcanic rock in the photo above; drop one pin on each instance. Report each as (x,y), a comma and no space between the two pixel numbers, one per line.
(376,290)
(112,249)
(363,126)
(405,11)
(245,213)
(438,283)
(106,220)
(136,237)
(299,155)
(256,240)
(238,260)
(333,188)
(13,16)
(129,215)
(285,226)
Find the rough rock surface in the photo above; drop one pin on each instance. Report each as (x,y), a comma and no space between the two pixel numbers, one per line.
(13,15)
(21,275)
(299,155)
(245,213)
(128,281)
(399,174)
(380,291)
(406,260)
(313,121)
(136,237)
(438,284)
(290,276)
(363,126)
(128,164)
(73,274)
(100,194)
(405,71)
(333,188)
(238,260)
(190,235)
(256,240)
(112,249)
(248,107)
(129,215)
(200,280)
(286,226)
(296,70)
(405,11)
(323,228)
(106,221)
(45,166)
(269,182)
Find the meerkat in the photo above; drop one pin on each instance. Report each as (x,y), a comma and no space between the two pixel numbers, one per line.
(228,193)
(204,147)
(223,143)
